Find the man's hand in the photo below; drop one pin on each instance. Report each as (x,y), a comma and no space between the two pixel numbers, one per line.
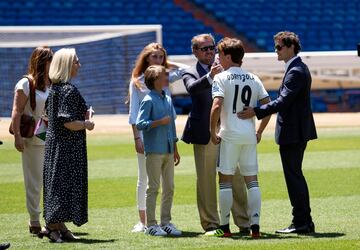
(247,113)
(215,70)
(258,137)
(176,157)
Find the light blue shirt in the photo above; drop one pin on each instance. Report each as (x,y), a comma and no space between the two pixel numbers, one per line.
(153,107)
(138,94)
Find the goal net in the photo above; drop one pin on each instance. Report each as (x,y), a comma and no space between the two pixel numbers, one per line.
(107,55)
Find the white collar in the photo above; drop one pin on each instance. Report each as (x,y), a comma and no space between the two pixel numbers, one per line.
(289,62)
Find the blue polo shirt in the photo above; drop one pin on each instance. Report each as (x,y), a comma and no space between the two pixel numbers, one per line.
(153,107)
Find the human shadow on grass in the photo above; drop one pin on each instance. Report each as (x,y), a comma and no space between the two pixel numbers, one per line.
(80,233)
(88,240)
(186,234)
(270,236)
(326,235)
(92,241)
(265,236)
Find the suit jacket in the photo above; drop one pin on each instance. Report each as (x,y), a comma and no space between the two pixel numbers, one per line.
(295,122)
(197,128)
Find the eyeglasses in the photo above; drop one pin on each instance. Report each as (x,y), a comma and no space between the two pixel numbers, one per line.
(77,62)
(206,48)
(279,47)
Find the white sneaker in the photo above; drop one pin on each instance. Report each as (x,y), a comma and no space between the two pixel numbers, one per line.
(138,228)
(155,230)
(171,229)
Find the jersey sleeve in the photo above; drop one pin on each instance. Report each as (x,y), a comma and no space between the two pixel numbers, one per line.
(262,91)
(217,87)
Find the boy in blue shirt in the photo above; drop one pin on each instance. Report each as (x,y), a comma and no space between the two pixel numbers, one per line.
(156,120)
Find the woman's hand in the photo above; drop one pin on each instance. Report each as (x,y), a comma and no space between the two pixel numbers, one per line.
(19,143)
(139,146)
(89,125)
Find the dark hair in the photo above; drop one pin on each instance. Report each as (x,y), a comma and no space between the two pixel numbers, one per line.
(152,73)
(233,47)
(288,38)
(37,66)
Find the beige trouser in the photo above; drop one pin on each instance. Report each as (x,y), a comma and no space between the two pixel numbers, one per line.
(33,161)
(205,161)
(159,166)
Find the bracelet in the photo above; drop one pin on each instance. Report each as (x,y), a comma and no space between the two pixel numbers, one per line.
(84,124)
(137,138)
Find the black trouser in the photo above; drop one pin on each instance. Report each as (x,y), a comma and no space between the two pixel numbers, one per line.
(291,158)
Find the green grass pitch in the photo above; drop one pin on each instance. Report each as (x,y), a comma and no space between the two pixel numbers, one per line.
(331,166)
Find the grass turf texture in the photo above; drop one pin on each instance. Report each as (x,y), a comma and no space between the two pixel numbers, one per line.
(331,166)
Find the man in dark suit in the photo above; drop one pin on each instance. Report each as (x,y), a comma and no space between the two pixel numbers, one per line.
(198,83)
(294,127)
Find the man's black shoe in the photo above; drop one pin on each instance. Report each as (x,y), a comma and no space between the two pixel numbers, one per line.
(4,246)
(292,229)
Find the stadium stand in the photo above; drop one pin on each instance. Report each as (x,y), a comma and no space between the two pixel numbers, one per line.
(322,25)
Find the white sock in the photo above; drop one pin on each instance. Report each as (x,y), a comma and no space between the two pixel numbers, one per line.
(254,202)
(225,200)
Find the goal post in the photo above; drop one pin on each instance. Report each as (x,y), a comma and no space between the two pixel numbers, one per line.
(107,55)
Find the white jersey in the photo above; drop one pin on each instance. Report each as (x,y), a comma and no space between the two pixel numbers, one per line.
(239,88)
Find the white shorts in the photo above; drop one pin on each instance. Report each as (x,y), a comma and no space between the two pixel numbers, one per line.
(233,154)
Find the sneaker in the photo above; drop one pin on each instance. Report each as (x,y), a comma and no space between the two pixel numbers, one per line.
(255,231)
(155,230)
(138,228)
(171,229)
(218,233)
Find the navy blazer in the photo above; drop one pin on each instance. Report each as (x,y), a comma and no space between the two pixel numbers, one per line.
(197,128)
(295,122)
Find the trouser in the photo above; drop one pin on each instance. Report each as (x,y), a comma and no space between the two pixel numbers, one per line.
(33,163)
(205,161)
(159,166)
(141,183)
(291,158)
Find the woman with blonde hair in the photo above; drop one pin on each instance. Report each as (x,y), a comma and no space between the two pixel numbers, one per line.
(65,165)
(152,54)
(31,93)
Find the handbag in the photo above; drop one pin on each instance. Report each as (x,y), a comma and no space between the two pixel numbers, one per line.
(40,129)
(27,126)
(27,122)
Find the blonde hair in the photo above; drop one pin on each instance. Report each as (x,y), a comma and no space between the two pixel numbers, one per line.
(152,73)
(199,38)
(61,65)
(142,63)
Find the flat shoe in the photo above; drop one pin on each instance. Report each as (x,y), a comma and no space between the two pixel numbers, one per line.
(68,236)
(53,236)
(34,229)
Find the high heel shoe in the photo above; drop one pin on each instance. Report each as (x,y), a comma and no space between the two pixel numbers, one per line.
(53,235)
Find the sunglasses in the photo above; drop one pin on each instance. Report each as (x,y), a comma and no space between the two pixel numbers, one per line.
(279,47)
(203,49)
